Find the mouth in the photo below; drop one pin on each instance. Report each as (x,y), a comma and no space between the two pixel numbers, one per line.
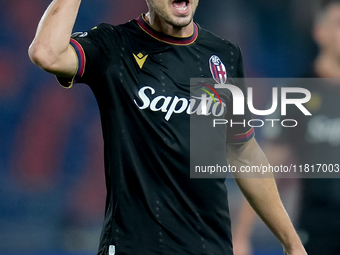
(181,6)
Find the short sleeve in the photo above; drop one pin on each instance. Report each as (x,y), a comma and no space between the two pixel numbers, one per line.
(94,50)
(238,131)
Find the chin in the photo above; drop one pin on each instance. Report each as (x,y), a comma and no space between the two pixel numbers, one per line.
(181,22)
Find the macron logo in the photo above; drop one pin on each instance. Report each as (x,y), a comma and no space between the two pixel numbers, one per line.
(140,59)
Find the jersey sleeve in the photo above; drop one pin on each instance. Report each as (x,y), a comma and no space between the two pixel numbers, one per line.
(238,131)
(94,50)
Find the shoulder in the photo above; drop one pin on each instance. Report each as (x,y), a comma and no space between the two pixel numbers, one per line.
(209,38)
(105,30)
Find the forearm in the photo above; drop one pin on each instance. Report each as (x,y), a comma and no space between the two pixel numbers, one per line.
(53,34)
(243,230)
(245,222)
(263,196)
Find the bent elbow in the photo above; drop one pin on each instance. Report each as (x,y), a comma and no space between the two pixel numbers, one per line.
(34,55)
(42,57)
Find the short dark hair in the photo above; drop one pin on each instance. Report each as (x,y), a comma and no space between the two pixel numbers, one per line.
(323,8)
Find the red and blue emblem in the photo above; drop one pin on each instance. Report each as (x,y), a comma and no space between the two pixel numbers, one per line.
(218,69)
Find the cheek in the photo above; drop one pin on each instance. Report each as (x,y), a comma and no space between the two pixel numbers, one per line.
(194,5)
(159,5)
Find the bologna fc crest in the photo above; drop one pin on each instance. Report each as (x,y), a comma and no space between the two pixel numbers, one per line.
(218,70)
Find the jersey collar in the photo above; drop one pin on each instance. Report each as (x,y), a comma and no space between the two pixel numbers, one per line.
(146,27)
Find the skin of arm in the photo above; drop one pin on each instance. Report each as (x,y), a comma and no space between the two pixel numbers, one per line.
(243,230)
(50,49)
(263,196)
(278,153)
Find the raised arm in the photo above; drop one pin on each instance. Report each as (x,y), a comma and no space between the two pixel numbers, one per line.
(263,196)
(50,48)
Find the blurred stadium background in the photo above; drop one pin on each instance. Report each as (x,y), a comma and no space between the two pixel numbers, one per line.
(51,165)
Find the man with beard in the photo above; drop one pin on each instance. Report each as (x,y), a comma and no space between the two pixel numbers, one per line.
(140,75)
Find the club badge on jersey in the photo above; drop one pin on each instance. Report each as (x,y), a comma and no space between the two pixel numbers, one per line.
(218,70)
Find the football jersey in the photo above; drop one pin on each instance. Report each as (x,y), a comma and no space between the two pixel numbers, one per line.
(141,81)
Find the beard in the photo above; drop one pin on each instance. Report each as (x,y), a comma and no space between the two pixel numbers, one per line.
(160,8)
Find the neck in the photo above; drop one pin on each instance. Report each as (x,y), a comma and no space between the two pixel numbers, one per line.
(327,66)
(164,27)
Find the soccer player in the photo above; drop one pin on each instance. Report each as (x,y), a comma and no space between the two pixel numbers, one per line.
(316,140)
(140,75)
